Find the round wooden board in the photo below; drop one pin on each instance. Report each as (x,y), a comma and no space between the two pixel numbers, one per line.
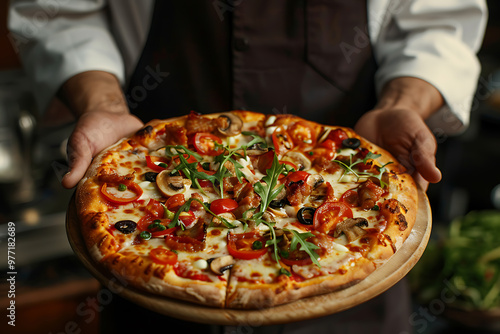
(308,308)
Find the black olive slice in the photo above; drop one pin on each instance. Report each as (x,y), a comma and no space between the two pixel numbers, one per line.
(150,176)
(351,143)
(126,226)
(278,204)
(305,215)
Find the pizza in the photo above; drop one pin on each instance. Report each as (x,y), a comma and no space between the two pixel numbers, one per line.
(243,210)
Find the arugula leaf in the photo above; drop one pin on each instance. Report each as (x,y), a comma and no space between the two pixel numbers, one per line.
(349,168)
(179,150)
(268,190)
(306,246)
(185,208)
(273,242)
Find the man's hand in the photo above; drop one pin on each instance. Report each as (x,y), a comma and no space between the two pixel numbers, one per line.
(398,125)
(97,101)
(94,132)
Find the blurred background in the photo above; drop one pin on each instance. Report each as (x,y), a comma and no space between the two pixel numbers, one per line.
(51,284)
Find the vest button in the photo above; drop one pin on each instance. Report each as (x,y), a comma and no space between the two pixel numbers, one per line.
(240,44)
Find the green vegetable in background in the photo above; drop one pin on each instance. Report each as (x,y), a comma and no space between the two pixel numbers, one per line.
(467,260)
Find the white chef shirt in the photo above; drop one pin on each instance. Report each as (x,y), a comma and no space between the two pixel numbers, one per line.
(432,40)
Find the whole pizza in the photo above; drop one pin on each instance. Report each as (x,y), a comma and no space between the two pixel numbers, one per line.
(244,210)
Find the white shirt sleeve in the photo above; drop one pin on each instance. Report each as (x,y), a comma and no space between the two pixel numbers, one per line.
(58,39)
(435,41)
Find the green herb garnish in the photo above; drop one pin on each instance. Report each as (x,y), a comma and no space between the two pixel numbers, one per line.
(268,190)
(349,168)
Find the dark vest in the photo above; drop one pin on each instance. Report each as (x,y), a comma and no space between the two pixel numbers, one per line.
(309,58)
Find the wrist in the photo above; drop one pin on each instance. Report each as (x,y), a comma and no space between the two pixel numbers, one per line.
(93,90)
(412,94)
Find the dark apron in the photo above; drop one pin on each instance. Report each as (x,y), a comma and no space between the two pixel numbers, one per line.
(309,58)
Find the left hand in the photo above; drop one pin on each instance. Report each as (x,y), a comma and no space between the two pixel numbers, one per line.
(397,124)
(405,135)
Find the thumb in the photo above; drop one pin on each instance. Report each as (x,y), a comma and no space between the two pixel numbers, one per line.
(79,155)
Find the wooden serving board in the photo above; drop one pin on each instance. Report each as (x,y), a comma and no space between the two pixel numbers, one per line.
(308,308)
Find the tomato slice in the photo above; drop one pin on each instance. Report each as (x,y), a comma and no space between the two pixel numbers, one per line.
(188,218)
(282,141)
(155,208)
(337,136)
(240,245)
(223,205)
(297,257)
(297,176)
(168,231)
(189,159)
(204,143)
(329,214)
(161,255)
(329,144)
(153,163)
(131,186)
(145,221)
(175,202)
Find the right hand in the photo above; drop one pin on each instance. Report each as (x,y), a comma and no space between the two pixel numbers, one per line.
(94,132)
(97,100)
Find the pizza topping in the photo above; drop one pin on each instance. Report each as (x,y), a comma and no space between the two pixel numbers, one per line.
(328,215)
(368,194)
(134,191)
(184,243)
(126,226)
(206,144)
(171,185)
(351,227)
(220,264)
(223,205)
(305,215)
(175,135)
(352,163)
(231,124)
(298,187)
(150,176)
(241,245)
(282,141)
(157,164)
(196,123)
(162,255)
(352,143)
(302,134)
(298,159)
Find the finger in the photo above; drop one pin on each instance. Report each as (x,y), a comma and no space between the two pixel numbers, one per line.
(423,158)
(80,154)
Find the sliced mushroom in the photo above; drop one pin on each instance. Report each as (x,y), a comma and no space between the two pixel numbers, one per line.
(315,180)
(171,185)
(256,150)
(299,159)
(351,227)
(233,126)
(220,264)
